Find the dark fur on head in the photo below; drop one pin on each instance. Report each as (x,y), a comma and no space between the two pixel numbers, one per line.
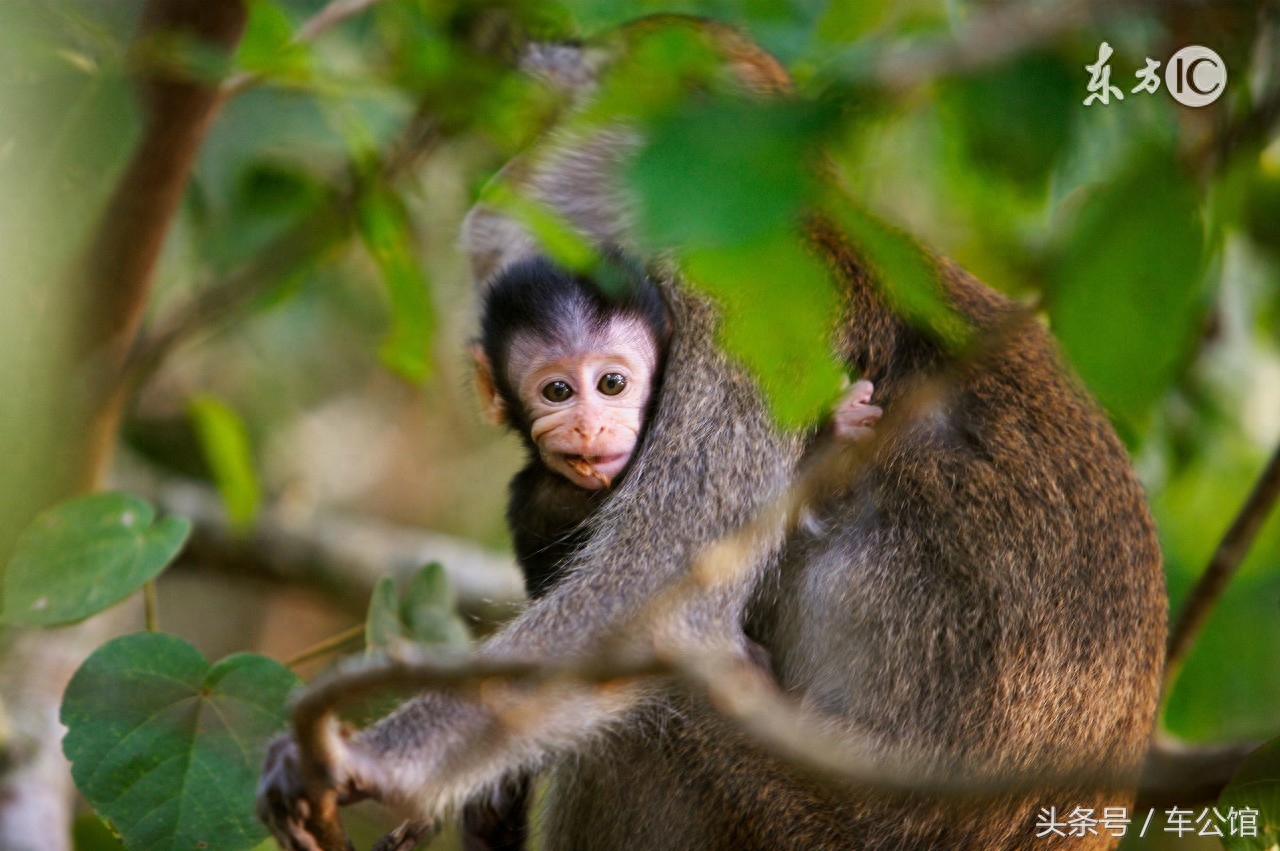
(536,296)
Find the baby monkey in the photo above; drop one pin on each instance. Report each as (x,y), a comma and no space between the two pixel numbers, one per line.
(574,365)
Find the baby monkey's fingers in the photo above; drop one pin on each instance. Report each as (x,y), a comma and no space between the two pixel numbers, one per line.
(854,414)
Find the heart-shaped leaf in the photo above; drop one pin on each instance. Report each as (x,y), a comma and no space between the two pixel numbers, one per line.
(166,747)
(84,555)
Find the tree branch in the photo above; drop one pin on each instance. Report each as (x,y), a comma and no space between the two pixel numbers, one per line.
(1223,565)
(343,554)
(1176,773)
(122,258)
(323,229)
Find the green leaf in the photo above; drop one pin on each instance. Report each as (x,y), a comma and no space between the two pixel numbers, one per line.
(906,274)
(1126,296)
(429,609)
(386,229)
(166,747)
(1256,786)
(726,173)
(225,444)
(382,626)
(555,235)
(268,47)
(779,312)
(1014,119)
(270,197)
(1262,212)
(82,556)
(425,614)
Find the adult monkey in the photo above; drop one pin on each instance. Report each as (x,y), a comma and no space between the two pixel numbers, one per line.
(983,600)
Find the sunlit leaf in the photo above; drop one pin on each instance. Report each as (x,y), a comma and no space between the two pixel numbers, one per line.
(1126,294)
(268,47)
(387,233)
(779,309)
(225,444)
(82,556)
(1255,787)
(166,747)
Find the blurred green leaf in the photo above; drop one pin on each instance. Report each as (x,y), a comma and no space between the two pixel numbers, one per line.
(1262,212)
(225,444)
(779,311)
(82,556)
(387,233)
(268,47)
(1126,294)
(1225,690)
(90,833)
(166,747)
(429,609)
(382,626)
(425,614)
(1256,786)
(845,23)
(1014,119)
(905,272)
(659,62)
(270,197)
(556,236)
(726,172)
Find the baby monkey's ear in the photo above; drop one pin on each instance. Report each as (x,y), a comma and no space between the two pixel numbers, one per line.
(491,404)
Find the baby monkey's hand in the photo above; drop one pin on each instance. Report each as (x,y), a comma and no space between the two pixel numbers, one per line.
(854,415)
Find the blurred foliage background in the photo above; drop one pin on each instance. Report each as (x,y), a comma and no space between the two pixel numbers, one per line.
(1146,234)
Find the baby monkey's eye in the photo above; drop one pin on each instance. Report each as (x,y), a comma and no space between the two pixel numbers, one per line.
(557,391)
(612,384)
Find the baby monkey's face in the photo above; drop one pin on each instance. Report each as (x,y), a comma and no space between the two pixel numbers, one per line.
(585,398)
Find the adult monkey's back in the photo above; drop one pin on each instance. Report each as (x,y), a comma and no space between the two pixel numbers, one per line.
(984,600)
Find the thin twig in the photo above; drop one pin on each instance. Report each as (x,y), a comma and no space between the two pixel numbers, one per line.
(327,646)
(321,229)
(151,606)
(1224,564)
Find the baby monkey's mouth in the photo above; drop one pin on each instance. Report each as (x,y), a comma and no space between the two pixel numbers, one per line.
(598,467)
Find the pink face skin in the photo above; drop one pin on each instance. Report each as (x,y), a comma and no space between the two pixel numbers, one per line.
(586,401)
